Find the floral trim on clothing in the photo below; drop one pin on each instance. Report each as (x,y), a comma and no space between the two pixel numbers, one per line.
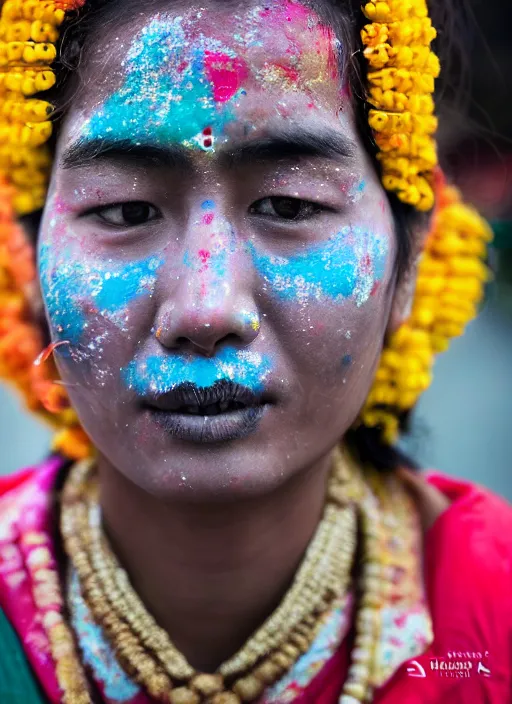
(97,653)
(25,538)
(405,634)
(307,667)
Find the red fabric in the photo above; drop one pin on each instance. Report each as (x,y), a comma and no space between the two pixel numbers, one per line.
(11,481)
(468,570)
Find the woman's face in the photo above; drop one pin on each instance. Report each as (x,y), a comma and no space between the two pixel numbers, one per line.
(216,249)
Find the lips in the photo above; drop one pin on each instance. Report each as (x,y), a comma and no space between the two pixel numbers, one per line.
(219,413)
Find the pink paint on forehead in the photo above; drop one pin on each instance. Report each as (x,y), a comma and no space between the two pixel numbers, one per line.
(225,73)
(290,12)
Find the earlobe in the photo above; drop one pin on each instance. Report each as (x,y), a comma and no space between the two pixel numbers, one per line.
(404,296)
(406,287)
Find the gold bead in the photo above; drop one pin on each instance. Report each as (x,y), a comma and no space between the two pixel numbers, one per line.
(208,685)
(301,641)
(183,695)
(282,660)
(291,650)
(268,672)
(356,690)
(226,698)
(248,688)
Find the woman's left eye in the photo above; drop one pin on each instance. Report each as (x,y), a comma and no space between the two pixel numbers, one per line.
(292,209)
(128,214)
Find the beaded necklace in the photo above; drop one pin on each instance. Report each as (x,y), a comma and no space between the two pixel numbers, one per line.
(147,654)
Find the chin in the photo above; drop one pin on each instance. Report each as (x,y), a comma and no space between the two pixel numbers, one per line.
(253,461)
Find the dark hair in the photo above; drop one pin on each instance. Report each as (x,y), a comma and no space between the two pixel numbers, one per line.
(346,18)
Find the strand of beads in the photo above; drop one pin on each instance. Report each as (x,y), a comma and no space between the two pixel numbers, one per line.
(145,651)
(137,663)
(49,601)
(391,572)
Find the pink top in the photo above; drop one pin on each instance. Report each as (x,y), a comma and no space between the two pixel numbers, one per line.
(468,566)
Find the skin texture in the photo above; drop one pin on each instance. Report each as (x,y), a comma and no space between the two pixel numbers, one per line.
(216,285)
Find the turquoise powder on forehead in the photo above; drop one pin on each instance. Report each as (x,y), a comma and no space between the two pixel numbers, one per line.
(166,96)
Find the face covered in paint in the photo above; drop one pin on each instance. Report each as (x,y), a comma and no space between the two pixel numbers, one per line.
(216,249)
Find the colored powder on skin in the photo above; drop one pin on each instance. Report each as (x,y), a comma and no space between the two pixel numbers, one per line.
(74,291)
(162,374)
(249,319)
(207,205)
(172,91)
(346,266)
(212,263)
(346,361)
(357,191)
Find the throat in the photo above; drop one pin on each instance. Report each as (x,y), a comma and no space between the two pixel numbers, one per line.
(226,568)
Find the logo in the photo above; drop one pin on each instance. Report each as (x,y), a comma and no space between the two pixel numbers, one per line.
(453,665)
(415,669)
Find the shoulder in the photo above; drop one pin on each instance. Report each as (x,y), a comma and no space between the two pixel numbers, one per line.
(468,563)
(473,512)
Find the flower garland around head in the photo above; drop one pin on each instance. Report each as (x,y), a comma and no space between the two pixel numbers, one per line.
(402,70)
(451,270)
(28,34)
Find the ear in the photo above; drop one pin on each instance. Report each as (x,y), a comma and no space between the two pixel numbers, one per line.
(404,293)
(32,291)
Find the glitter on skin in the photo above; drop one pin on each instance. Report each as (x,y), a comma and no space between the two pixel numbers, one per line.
(184,87)
(172,91)
(213,262)
(348,265)
(249,319)
(73,291)
(162,374)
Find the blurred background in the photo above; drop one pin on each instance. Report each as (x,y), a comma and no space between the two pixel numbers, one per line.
(462,423)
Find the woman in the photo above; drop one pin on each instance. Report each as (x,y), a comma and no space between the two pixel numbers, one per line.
(227,240)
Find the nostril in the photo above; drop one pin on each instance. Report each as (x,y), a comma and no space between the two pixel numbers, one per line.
(231,340)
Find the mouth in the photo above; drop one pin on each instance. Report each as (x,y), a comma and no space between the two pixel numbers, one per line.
(219,413)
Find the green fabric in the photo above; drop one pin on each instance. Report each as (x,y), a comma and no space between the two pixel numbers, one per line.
(17,682)
(502,234)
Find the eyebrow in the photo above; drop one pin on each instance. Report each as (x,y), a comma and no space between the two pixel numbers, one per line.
(323,143)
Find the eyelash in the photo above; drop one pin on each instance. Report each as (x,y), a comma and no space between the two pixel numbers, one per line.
(312,210)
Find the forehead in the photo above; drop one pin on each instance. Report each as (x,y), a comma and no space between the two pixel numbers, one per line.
(204,67)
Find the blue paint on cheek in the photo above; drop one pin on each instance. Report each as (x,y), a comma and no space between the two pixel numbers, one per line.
(161,374)
(347,265)
(59,286)
(75,292)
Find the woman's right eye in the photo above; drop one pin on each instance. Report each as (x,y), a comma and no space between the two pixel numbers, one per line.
(130,214)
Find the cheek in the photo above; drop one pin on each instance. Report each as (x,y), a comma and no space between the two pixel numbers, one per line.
(335,299)
(349,266)
(91,300)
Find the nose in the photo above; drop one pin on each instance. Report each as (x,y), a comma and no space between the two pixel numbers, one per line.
(213,304)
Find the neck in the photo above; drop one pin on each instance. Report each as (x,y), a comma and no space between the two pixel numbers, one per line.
(211,574)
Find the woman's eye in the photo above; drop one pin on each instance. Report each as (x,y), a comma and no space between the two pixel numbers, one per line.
(286,208)
(128,214)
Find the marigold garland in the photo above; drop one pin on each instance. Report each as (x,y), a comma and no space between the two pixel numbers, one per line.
(449,287)
(401,74)
(28,32)
(402,69)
